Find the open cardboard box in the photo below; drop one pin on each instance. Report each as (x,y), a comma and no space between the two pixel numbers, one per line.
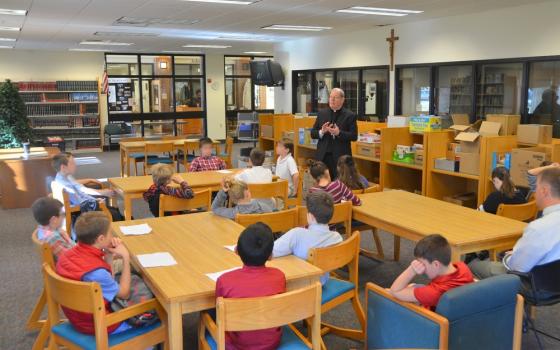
(524,159)
(469,139)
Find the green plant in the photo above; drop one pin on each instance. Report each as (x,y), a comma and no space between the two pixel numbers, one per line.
(14,124)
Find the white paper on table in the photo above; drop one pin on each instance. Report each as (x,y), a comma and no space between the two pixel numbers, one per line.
(156,259)
(215,275)
(225,171)
(231,247)
(134,230)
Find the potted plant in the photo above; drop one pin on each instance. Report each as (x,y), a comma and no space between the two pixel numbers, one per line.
(15,128)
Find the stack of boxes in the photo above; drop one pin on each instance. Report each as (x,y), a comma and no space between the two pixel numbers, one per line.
(369,145)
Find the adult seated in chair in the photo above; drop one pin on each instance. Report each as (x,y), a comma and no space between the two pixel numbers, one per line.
(540,243)
(87,198)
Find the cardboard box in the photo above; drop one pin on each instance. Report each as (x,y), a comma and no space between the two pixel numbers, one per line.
(369,137)
(372,150)
(534,133)
(452,148)
(524,159)
(468,200)
(424,124)
(508,122)
(403,158)
(288,135)
(397,121)
(469,139)
(419,157)
(444,164)
(266,131)
(461,122)
(469,163)
(402,149)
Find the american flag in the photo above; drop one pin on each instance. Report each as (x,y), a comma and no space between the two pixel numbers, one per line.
(104,81)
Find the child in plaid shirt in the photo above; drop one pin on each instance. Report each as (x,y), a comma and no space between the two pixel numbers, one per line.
(163,175)
(47,212)
(207,161)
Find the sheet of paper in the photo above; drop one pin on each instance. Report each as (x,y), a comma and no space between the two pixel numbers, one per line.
(215,275)
(231,247)
(135,230)
(156,259)
(225,171)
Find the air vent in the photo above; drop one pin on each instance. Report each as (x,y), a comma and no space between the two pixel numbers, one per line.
(121,34)
(146,22)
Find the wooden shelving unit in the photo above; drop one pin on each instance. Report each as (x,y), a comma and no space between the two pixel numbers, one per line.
(370,167)
(279,124)
(303,151)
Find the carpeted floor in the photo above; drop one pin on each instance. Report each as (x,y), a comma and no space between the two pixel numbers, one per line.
(22,283)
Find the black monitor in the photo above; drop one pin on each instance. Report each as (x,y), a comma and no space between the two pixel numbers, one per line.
(267,73)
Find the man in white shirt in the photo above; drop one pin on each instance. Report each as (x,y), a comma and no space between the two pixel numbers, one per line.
(540,243)
(257,174)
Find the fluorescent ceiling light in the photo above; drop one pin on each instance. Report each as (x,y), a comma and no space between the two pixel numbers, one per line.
(208,46)
(6,47)
(292,27)
(88,50)
(10,29)
(180,51)
(228,2)
(106,43)
(13,12)
(378,11)
(7,39)
(244,38)
(255,52)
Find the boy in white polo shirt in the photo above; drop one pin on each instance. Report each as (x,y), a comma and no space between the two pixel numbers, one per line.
(256,173)
(286,167)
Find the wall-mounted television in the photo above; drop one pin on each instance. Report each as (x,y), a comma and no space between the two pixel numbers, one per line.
(267,73)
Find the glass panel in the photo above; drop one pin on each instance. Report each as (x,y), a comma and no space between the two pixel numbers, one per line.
(238,94)
(156,65)
(303,93)
(264,97)
(123,95)
(122,64)
(348,81)
(375,93)
(237,66)
(324,83)
(414,86)
(157,95)
(191,128)
(454,90)
(543,104)
(499,89)
(158,128)
(189,94)
(188,65)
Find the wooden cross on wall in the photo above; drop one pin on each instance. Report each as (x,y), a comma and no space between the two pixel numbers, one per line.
(391,41)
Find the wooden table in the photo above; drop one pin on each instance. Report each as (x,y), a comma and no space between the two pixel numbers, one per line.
(196,241)
(23,180)
(134,186)
(129,147)
(413,217)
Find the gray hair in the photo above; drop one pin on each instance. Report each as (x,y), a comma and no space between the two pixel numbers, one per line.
(339,90)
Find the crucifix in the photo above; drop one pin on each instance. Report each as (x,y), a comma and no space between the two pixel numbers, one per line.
(391,41)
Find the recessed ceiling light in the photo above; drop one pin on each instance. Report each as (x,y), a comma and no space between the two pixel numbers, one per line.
(119,34)
(209,46)
(228,2)
(105,43)
(10,29)
(291,27)
(255,52)
(6,47)
(7,39)
(88,50)
(13,12)
(378,11)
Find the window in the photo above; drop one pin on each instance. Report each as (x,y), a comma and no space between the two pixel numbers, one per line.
(542,100)
(348,81)
(374,92)
(238,94)
(324,83)
(454,93)
(188,65)
(302,100)
(122,64)
(414,85)
(499,89)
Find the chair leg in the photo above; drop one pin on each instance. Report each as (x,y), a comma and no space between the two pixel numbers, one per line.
(34,322)
(380,255)
(356,334)
(42,338)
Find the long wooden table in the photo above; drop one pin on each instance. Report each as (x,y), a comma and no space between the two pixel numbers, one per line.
(196,241)
(134,186)
(413,217)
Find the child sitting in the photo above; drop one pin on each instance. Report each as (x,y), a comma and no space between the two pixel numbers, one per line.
(348,174)
(256,173)
(286,167)
(433,257)
(505,192)
(207,161)
(299,240)
(163,176)
(90,261)
(48,212)
(240,196)
(337,189)
(254,279)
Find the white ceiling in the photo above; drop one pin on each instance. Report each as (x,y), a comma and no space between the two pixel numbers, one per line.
(62,24)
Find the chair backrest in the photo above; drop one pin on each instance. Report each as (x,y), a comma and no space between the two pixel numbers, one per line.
(342,215)
(279,221)
(201,199)
(482,315)
(158,147)
(132,139)
(546,277)
(336,256)
(172,137)
(68,210)
(43,249)
(370,189)
(246,314)
(522,212)
(75,295)
(56,189)
(274,189)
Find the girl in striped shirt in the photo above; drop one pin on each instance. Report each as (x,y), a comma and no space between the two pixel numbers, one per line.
(339,191)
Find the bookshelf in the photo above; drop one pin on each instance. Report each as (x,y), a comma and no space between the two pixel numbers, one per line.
(370,167)
(279,123)
(460,101)
(69,109)
(302,152)
(497,95)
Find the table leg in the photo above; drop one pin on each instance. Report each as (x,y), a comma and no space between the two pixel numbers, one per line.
(121,151)
(175,326)
(396,247)
(127,206)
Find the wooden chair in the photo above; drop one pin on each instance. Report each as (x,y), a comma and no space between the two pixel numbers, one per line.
(298,199)
(189,150)
(279,221)
(87,297)
(337,291)
(134,157)
(201,199)
(227,155)
(342,215)
(363,227)
(247,314)
(158,147)
(275,189)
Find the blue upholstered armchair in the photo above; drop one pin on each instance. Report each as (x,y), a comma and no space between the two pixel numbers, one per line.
(484,315)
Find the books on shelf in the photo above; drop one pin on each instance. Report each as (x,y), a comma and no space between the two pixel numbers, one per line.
(71,85)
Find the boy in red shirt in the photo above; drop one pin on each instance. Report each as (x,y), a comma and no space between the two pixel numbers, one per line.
(207,161)
(433,259)
(254,279)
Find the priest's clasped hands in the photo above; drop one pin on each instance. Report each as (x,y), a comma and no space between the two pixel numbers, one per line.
(331,128)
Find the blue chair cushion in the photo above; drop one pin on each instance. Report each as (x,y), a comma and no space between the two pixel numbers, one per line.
(289,341)
(140,156)
(163,160)
(333,288)
(87,342)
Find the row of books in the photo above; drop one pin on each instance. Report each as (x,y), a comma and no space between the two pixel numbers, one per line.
(60,97)
(64,122)
(60,85)
(55,109)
